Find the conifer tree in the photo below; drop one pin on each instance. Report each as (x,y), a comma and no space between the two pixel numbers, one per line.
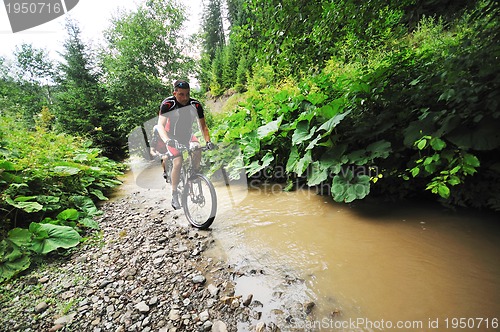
(81,109)
(213,43)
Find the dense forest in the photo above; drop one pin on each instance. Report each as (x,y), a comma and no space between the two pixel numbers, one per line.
(397,99)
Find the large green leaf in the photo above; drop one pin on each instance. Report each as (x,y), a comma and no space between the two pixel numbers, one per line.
(319,173)
(379,149)
(44,199)
(48,237)
(86,205)
(303,163)
(316,98)
(328,126)
(308,114)
(251,144)
(65,170)
(24,198)
(359,157)
(68,214)
(7,165)
(437,144)
(347,187)
(90,223)
(235,166)
(471,160)
(21,237)
(270,128)
(333,108)
(98,193)
(12,261)
(302,132)
(313,143)
(23,203)
(339,188)
(10,177)
(50,203)
(255,166)
(293,159)
(336,155)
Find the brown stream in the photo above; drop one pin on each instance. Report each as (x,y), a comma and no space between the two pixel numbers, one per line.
(367,266)
(421,266)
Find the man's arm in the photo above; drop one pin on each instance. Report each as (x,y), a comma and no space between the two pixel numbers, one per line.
(162,121)
(201,120)
(204,129)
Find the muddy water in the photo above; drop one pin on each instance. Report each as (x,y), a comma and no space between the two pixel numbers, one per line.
(371,264)
(375,264)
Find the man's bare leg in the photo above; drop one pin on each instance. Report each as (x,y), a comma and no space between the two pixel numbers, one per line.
(175,176)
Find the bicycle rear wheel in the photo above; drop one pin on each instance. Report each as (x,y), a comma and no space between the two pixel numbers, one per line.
(199,201)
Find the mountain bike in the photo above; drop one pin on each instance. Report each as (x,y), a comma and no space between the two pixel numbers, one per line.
(198,197)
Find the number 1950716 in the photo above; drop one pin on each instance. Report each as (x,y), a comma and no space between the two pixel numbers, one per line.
(34,8)
(471,323)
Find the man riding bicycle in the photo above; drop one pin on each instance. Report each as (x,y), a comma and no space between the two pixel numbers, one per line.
(175,124)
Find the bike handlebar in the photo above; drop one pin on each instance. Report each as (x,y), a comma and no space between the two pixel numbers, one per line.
(182,147)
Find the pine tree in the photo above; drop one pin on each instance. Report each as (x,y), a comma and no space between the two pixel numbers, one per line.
(81,109)
(213,29)
(213,43)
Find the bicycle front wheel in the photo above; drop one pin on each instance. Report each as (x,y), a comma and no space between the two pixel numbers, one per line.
(199,201)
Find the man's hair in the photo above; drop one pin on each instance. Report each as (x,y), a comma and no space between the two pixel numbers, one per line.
(181,84)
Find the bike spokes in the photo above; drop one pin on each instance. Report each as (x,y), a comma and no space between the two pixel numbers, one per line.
(199,201)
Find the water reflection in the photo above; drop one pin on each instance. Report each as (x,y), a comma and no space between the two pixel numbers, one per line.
(368,260)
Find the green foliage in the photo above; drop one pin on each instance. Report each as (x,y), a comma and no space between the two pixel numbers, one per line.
(418,114)
(296,37)
(12,260)
(448,166)
(33,64)
(20,243)
(48,237)
(216,82)
(50,183)
(216,58)
(80,108)
(213,39)
(26,82)
(144,50)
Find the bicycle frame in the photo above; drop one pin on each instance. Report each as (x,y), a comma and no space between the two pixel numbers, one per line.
(199,199)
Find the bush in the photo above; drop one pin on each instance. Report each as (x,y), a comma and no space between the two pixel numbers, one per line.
(418,117)
(50,183)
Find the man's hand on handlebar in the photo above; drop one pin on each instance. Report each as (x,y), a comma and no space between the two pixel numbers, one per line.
(175,144)
(172,143)
(211,146)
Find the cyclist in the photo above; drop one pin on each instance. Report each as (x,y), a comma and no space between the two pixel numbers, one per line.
(175,123)
(156,145)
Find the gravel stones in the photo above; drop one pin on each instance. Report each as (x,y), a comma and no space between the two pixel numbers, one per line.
(138,273)
(199,279)
(41,307)
(135,275)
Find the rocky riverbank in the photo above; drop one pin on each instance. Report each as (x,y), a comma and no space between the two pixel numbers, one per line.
(144,271)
